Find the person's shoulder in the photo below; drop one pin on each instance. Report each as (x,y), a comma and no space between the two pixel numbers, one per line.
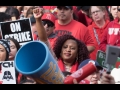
(89,26)
(79,24)
(111,23)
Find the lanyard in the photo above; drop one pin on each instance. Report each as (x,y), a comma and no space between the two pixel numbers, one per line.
(96,36)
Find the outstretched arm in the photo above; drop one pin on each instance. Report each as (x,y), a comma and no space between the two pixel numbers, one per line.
(38,12)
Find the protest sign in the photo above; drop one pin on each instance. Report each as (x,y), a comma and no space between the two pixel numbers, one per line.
(17,29)
(7,72)
(101,56)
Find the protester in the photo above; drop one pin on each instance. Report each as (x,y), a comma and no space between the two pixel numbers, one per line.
(107,79)
(4,17)
(48,20)
(19,8)
(67,25)
(4,50)
(83,15)
(69,51)
(98,26)
(111,34)
(25,9)
(93,78)
(13,12)
(113,11)
(14,47)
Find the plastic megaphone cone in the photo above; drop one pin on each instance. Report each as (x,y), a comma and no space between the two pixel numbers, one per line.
(36,61)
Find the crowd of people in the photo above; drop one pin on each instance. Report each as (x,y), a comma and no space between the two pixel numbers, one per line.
(73,34)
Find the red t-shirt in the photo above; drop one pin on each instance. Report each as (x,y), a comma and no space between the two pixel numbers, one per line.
(52,39)
(99,32)
(75,28)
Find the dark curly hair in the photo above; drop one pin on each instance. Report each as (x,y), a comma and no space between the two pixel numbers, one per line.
(83,52)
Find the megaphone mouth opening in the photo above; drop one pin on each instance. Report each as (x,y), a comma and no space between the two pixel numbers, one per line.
(31,57)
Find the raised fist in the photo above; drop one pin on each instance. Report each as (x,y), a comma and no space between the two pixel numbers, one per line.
(38,12)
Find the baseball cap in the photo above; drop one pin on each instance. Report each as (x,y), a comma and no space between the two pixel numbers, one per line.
(69,7)
(49,16)
(88,61)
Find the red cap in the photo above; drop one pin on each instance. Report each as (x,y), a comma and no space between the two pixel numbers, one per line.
(49,16)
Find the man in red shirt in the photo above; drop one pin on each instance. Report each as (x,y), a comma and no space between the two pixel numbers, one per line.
(67,25)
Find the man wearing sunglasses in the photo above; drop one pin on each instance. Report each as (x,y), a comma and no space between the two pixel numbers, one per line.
(112,33)
(48,20)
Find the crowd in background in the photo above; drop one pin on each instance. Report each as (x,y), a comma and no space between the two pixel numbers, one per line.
(73,34)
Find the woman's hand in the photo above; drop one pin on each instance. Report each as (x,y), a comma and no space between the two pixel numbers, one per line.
(38,12)
(107,79)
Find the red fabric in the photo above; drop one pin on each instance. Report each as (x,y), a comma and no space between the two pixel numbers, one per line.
(75,28)
(75,11)
(107,15)
(62,67)
(111,35)
(100,32)
(51,8)
(52,41)
(84,82)
(84,18)
(35,37)
(19,78)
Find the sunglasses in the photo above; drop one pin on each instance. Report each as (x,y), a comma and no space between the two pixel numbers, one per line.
(119,9)
(49,23)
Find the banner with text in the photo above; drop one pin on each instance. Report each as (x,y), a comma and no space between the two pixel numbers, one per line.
(7,72)
(19,30)
(101,56)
